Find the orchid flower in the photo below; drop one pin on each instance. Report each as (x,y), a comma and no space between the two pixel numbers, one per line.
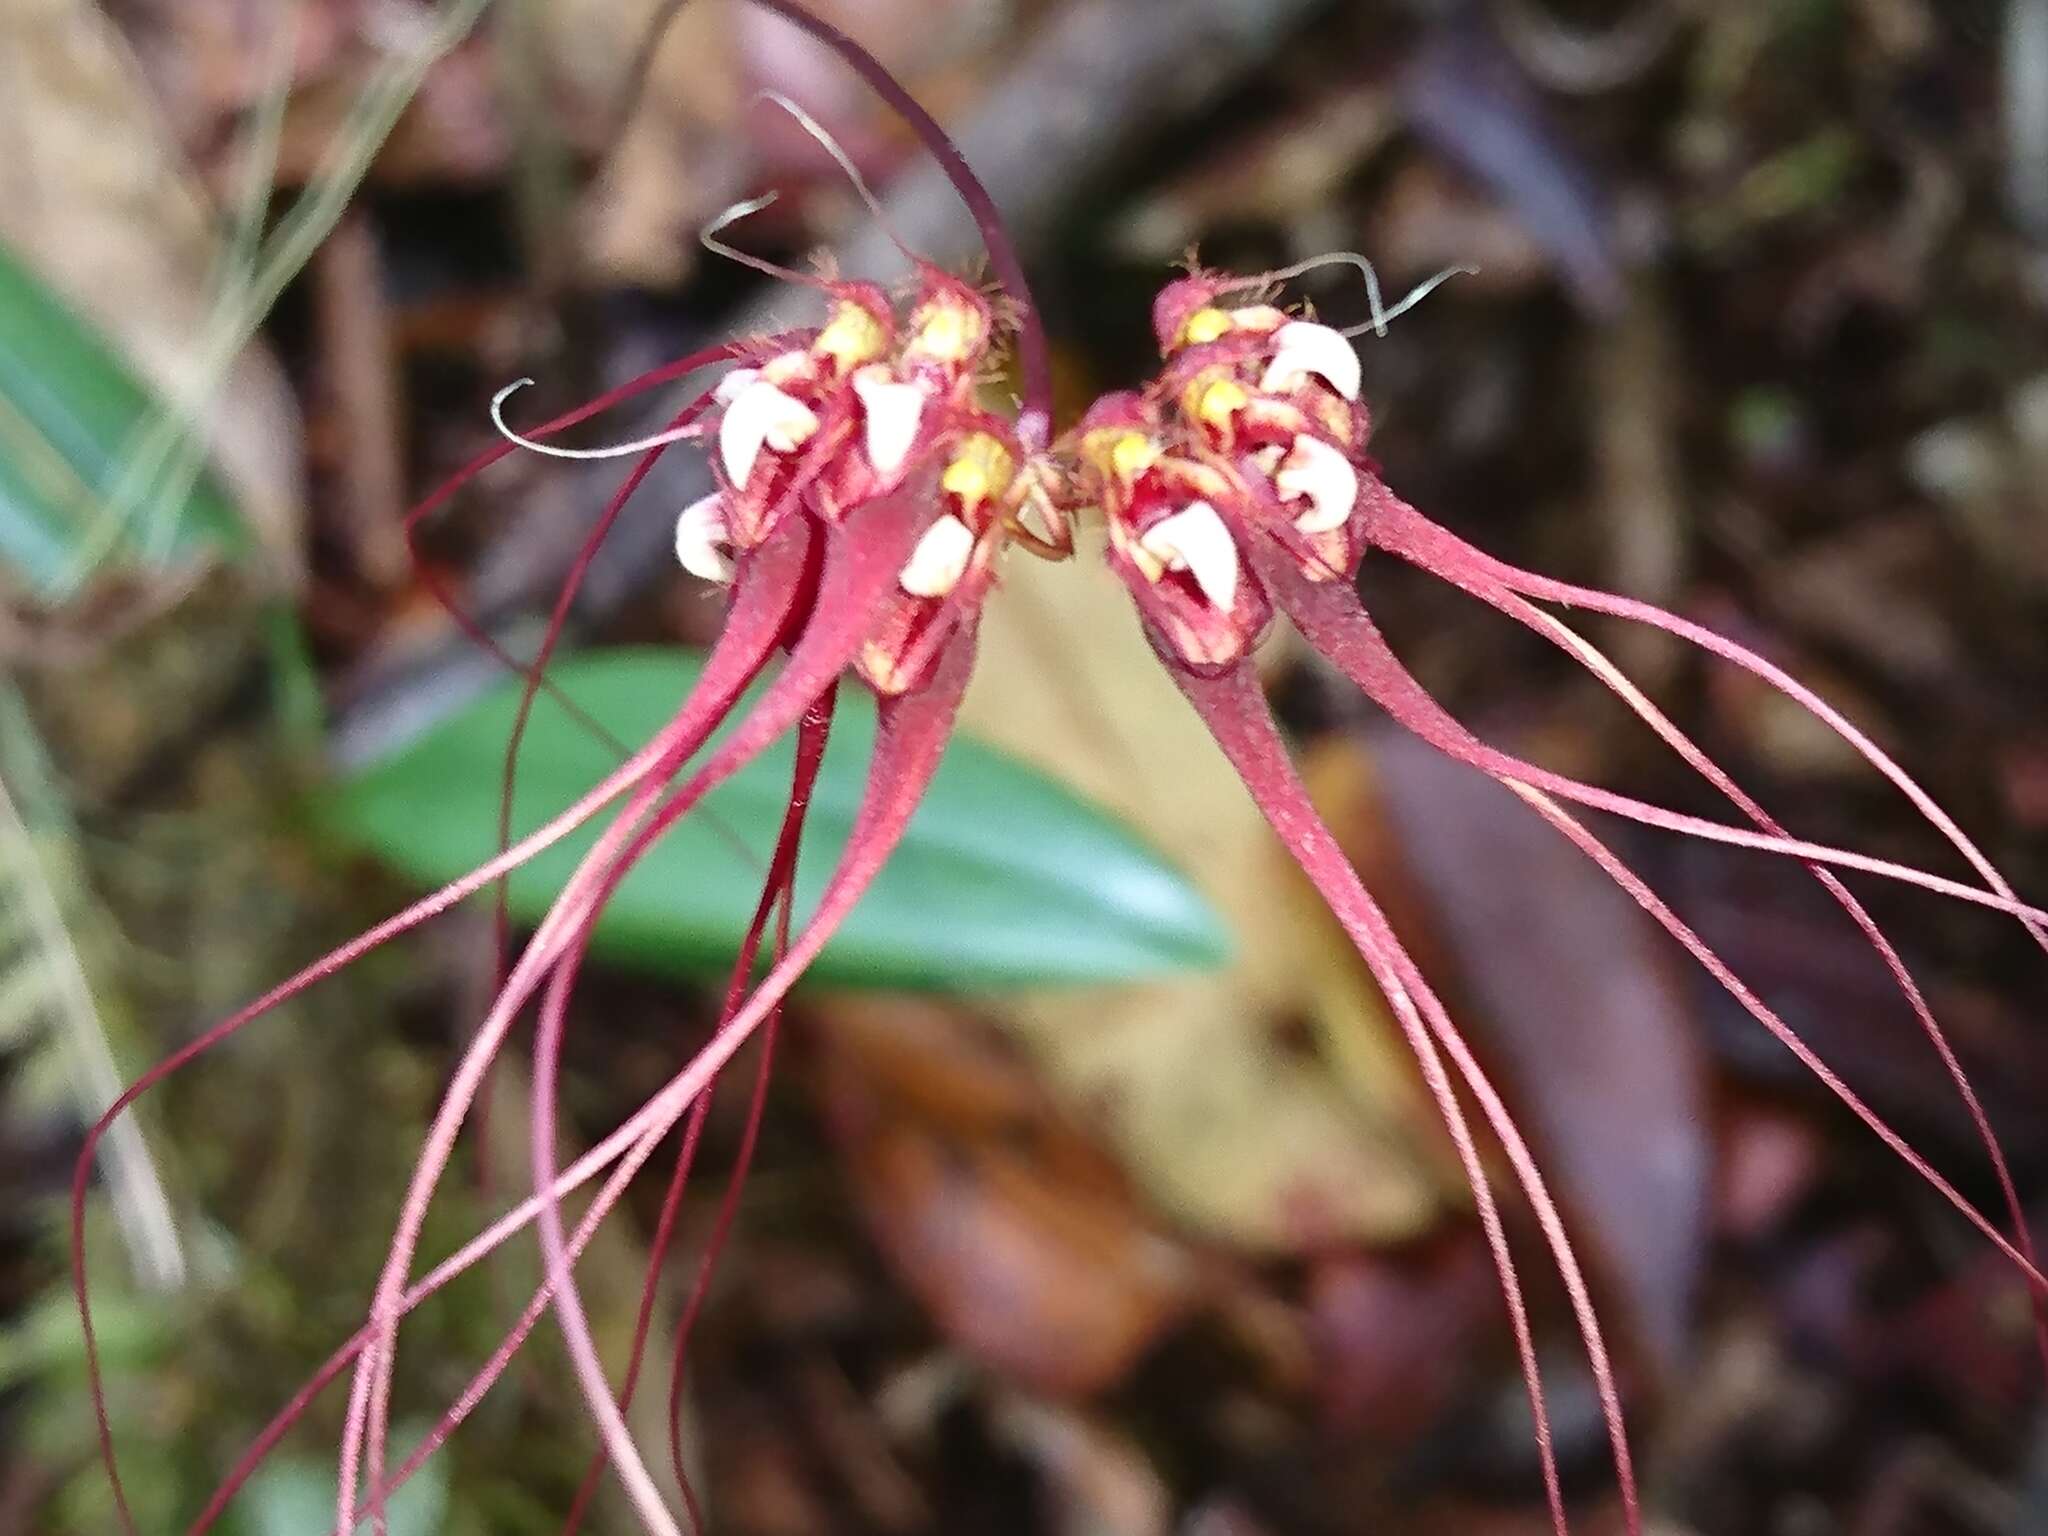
(864,498)
(1237,487)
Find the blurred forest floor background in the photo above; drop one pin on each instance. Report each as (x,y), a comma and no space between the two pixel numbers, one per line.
(1759,331)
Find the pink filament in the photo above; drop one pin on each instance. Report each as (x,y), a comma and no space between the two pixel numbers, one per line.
(647,761)
(1651,903)
(1364,655)
(1400,529)
(1604,669)
(629,1145)
(654,378)
(777,893)
(911,737)
(1236,713)
(535,672)
(1332,617)
(1335,622)
(863,557)
(764,598)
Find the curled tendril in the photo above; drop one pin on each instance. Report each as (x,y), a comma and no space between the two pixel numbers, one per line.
(1422,290)
(1376,322)
(837,151)
(746,209)
(614,451)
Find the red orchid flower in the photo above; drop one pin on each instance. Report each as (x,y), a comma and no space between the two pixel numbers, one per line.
(863,499)
(1238,485)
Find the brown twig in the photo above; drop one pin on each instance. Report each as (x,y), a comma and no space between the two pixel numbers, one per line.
(362,386)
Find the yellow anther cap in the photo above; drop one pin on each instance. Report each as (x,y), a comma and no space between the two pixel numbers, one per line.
(1132,454)
(980,469)
(947,332)
(854,336)
(1205,325)
(1215,401)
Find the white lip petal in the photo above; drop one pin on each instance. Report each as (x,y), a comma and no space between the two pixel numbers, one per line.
(940,559)
(788,367)
(761,416)
(1302,348)
(1149,565)
(1195,540)
(893,412)
(730,386)
(1318,474)
(703,543)
(1258,317)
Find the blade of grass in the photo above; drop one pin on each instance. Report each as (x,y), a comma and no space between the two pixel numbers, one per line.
(142,1208)
(300,233)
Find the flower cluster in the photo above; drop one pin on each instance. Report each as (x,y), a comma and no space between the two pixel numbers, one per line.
(819,429)
(862,496)
(1252,430)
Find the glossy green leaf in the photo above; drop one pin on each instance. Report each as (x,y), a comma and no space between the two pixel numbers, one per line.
(70,414)
(1005,877)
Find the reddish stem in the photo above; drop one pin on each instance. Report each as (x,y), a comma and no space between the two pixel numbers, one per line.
(1697,947)
(777,894)
(721,1230)
(756,624)
(629,1147)
(1236,713)
(1604,669)
(535,672)
(770,590)
(439,497)
(876,829)
(534,679)
(1332,619)
(1400,529)
(910,739)
(864,555)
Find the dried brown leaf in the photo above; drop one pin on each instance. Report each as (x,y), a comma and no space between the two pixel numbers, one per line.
(1573,996)
(1009,1226)
(1391,1334)
(1235,1119)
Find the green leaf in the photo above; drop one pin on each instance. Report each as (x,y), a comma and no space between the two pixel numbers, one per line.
(44,1343)
(293,1495)
(70,412)
(1005,877)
